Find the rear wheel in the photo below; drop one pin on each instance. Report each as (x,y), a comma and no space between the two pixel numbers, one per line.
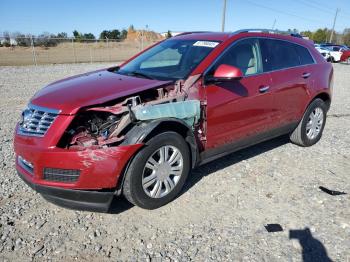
(158,172)
(310,128)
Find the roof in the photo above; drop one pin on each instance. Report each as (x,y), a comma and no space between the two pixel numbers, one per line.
(212,36)
(222,36)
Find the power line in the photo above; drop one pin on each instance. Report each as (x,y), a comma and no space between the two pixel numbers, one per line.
(326,8)
(283,12)
(318,3)
(315,7)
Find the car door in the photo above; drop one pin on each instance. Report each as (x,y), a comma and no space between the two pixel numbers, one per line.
(290,78)
(240,109)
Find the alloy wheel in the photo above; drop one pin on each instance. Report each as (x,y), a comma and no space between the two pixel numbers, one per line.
(162,171)
(314,124)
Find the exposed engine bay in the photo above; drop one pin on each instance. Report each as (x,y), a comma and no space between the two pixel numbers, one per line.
(108,125)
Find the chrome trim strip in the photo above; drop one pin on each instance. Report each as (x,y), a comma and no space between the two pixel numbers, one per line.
(45,109)
(25,165)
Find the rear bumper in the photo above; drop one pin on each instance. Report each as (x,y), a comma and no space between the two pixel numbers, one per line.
(90,200)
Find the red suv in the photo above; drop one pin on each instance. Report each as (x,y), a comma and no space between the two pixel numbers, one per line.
(138,129)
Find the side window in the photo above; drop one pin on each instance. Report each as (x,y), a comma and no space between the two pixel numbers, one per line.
(304,55)
(278,54)
(244,55)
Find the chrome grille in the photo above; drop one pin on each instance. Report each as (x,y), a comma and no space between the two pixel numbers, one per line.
(36,120)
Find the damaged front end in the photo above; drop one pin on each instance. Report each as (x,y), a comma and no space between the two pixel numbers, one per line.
(108,125)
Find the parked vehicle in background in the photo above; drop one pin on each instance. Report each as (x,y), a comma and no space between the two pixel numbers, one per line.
(138,129)
(339,53)
(325,53)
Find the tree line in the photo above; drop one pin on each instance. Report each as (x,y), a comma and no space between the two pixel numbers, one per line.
(50,40)
(323,35)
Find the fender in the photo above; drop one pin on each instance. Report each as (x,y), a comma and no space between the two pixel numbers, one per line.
(143,131)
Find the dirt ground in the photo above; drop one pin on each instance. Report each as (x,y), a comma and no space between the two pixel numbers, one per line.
(219,216)
(71,53)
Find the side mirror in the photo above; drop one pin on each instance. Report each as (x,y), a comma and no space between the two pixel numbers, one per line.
(226,73)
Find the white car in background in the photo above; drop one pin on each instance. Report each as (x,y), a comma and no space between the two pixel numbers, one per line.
(335,51)
(326,53)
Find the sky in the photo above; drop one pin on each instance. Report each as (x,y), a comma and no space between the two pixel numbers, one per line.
(38,16)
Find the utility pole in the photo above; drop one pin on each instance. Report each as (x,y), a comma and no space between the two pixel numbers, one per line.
(274,24)
(335,20)
(223,17)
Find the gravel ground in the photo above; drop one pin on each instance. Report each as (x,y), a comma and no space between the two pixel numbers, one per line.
(219,216)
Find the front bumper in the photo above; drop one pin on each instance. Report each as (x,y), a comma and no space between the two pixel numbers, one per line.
(99,170)
(90,200)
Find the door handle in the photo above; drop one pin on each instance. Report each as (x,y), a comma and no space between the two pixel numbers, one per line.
(264,89)
(306,75)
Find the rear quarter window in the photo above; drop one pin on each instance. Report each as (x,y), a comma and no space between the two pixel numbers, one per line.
(304,55)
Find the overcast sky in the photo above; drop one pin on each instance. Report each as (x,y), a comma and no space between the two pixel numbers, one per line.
(37,16)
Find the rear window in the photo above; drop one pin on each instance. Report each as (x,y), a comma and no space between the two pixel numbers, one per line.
(278,54)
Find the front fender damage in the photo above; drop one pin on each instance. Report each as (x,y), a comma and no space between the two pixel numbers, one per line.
(129,120)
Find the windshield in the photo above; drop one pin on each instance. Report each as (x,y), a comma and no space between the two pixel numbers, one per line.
(170,60)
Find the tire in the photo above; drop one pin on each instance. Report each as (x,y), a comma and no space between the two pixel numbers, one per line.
(303,135)
(162,191)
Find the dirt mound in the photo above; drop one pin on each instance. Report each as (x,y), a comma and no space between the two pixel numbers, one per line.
(135,35)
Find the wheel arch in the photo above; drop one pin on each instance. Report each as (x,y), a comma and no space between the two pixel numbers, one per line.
(325,97)
(143,132)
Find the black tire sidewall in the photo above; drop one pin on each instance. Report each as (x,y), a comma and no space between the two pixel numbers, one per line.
(135,171)
(316,103)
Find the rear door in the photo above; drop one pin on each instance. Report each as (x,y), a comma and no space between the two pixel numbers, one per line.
(241,109)
(290,77)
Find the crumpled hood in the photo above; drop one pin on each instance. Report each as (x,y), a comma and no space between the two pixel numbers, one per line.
(70,94)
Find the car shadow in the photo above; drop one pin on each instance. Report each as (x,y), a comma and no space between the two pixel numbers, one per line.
(120,204)
(312,248)
(198,173)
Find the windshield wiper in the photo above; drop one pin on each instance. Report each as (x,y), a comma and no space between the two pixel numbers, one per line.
(137,73)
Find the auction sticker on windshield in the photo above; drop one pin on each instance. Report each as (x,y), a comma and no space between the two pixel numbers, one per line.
(206,44)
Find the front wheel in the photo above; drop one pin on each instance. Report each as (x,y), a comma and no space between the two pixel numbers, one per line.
(310,128)
(158,172)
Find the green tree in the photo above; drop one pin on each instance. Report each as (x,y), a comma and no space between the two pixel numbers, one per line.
(114,34)
(7,39)
(346,36)
(89,36)
(124,34)
(76,34)
(320,36)
(307,34)
(62,35)
(104,34)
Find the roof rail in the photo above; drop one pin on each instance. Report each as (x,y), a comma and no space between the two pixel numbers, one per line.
(259,30)
(268,31)
(192,32)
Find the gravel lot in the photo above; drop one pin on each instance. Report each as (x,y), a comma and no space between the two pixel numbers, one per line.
(219,216)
